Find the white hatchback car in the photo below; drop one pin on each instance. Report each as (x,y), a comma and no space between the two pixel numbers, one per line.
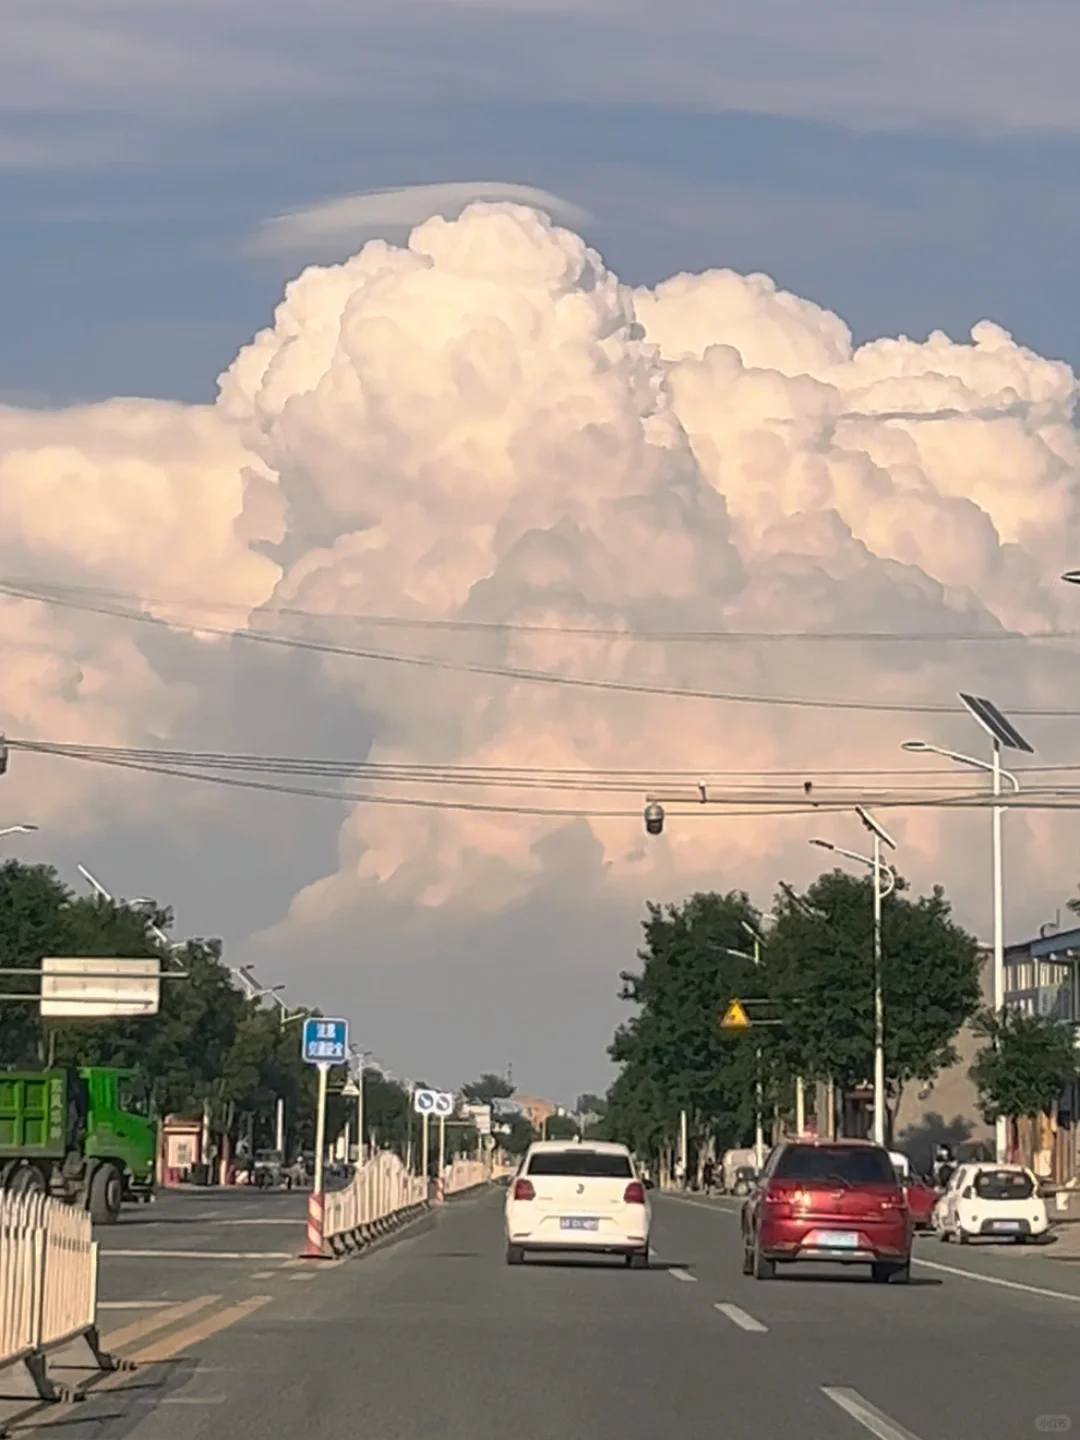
(993,1202)
(578,1197)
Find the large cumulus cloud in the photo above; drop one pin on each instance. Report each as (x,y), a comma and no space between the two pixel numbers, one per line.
(486,424)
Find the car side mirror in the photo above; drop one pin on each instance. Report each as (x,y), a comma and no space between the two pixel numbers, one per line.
(968,1192)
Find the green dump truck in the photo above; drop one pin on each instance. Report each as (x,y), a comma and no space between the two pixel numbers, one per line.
(86,1136)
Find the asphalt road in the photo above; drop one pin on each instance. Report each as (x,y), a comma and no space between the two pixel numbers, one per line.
(434,1336)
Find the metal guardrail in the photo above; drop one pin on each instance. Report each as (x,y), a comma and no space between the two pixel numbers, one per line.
(48,1293)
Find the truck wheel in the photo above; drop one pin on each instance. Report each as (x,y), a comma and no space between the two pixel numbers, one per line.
(26,1180)
(106,1195)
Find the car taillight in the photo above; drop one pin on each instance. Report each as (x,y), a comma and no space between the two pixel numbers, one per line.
(523,1190)
(894,1202)
(779,1202)
(634,1194)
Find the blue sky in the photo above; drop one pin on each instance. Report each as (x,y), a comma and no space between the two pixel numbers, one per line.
(909,172)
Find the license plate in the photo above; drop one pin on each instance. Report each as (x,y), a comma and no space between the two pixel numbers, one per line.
(579,1222)
(837,1239)
(1006,1224)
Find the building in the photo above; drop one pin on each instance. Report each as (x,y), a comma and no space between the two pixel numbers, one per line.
(1042,977)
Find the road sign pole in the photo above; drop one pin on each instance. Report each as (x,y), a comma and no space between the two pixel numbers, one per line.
(442,1154)
(424,1154)
(320,1128)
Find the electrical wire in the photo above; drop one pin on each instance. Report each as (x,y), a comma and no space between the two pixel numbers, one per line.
(507,672)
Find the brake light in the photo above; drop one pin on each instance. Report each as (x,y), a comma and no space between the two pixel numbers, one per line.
(523,1190)
(779,1201)
(634,1194)
(894,1202)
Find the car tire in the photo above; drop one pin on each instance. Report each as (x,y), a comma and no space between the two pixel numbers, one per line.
(515,1255)
(1020,1239)
(962,1236)
(763,1269)
(747,1260)
(882,1272)
(106,1195)
(639,1260)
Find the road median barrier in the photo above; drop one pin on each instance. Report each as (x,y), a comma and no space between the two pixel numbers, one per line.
(381,1197)
(48,1300)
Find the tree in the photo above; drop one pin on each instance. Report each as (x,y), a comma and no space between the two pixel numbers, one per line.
(489,1087)
(672,1053)
(1028,1062)
(589,1104)
(207,1045)
(521,1135)
(561,1127)
(818,966)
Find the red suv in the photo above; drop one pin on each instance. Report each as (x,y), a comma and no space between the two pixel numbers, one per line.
(835,1200)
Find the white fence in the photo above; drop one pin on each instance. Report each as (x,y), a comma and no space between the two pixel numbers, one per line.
(48,1284)
(381,1191)
(462,1175)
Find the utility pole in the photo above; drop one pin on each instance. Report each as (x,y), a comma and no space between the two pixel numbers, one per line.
(280,1129)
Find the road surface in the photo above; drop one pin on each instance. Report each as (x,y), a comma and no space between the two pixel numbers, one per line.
(433,1337)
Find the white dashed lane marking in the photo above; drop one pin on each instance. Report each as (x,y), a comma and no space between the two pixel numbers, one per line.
(868,1416)
(739,1317)
(680,1274)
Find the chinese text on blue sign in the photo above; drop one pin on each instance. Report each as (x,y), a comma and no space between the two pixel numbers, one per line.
(326,1042)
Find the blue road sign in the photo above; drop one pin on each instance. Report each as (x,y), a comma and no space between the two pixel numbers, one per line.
(325,1042)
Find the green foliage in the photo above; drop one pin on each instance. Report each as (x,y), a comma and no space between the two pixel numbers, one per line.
(207,1044)
(489,1087)
(820,973)
(561,1127)
(521,1135)
(672,1053)
(1026,1065)
(589,1104)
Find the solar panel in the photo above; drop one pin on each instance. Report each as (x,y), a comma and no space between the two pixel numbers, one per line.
(986,713)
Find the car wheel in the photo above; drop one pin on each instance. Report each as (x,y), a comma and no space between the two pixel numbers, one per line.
(962,1235)
(639,1260)
(882,1271)
(515,1255)
(747,1260)
(1020,1239)
(763,1269)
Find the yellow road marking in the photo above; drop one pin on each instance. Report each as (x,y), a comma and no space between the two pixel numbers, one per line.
(170,1345)
(117,1339)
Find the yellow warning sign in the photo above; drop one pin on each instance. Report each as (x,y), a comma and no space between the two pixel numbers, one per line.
(735,1017)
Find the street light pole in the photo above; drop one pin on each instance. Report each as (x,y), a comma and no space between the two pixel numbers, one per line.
(998,728)
(880,872)
(879,1005)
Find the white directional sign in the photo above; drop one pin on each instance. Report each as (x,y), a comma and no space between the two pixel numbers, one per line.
(83,988)
(433,1102)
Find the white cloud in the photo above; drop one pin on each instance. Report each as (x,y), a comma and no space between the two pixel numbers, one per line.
(486,423)
(337,227)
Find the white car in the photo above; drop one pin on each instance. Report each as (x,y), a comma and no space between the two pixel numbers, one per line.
(990,1201)
(575,1197)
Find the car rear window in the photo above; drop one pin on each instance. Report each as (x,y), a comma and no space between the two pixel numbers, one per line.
(1003,1185)
(588,1164)
(854,1165)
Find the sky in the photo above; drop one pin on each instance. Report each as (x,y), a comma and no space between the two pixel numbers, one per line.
(397,443)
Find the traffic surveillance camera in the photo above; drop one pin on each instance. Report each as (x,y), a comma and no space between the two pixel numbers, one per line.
(654,818)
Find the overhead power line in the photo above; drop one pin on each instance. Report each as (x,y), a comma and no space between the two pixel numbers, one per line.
(505,672)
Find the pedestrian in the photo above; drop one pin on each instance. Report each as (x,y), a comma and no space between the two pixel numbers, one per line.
(708,1175)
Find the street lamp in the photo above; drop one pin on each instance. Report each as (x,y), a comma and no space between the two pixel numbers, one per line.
(882,873)
(1002,732)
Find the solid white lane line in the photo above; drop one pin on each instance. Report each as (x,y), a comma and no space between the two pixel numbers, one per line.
(869,1416)
(724,1208)
(200,1254)
(684,1275)
(997,1280)
(742,1319)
